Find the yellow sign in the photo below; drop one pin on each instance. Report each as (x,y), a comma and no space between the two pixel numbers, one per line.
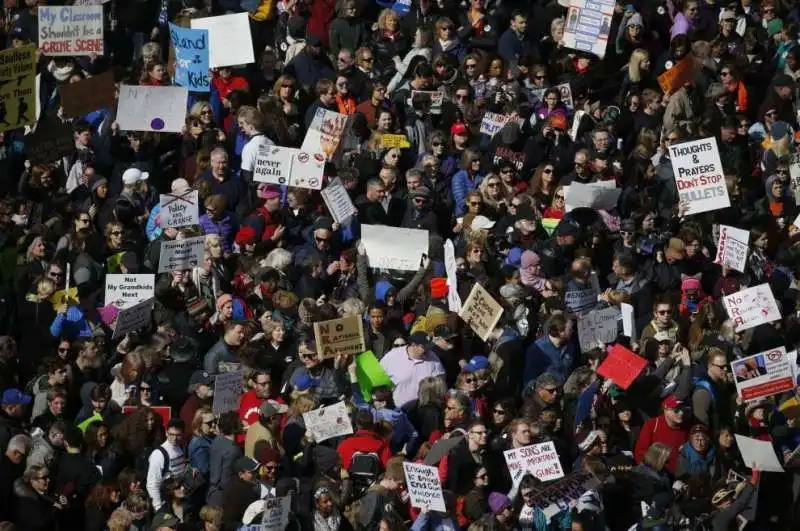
(17,88)
(59,299)
(394,141)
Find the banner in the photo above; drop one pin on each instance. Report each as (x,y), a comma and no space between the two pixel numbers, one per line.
(191,58)
(588,25)
(481,312)
(229,39)
(180,210)
(181,254)
(228,390)
(328,422)
(732,247)
(698,175)
(763,374)
(71,30)
(338,201)
(598,328)
(424,487)
(540,460)
(133,318)
(289,166)
(752,307)
(393,247)
(580,301)
(156,109)
(88,95)
(677,76)
(325,133)
(621,366)
(129,289)
(340,336)
(18,88)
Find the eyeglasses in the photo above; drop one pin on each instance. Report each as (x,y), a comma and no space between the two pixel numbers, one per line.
(144,388)
(174,434)
(550,390)
(721,74)
(626,233)
(322,240)
(664,312)
(56,274)
(492,185)
(474,203)
(723,367)
(42,478)
(539,76)
(270,467)
(367,59)
(63,350)
(212,422)
(470,65)
(482,476)
(469,380)
(115,233)
(479,432)
(462,97)
(419,200)
(499,412)
(560,196)
(477,251)
(308,356)
(547,171)
(447,28)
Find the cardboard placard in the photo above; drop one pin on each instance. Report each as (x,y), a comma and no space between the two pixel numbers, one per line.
(180,209)
(155,109)
(88,95)
(340,336)
(50,141)
(338,201)
(289,166)
(699,176)
(133,317)
(677,76)
(191,58)
(451,268)
(540,460)
(276,513)
(71,30)
(165,412)
(228,390)
(424,487)
(181,254)
(325,133)
(481,312)
(621,366)
(732,247)
(129,289)
(751,307)
(588,25)
(597,328)
(328,422)
(564,494)
(764,374)
(230,41)
(393,247)
(758,454)
(395,141)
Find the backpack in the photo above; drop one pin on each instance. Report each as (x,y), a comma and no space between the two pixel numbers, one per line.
(142,464)
(365,467)
(704,384)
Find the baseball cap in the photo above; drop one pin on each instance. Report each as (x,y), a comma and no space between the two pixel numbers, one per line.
(444,332)
(671,402)
(268,191)
(481,222)
(245,464)
(201,378)
(306,382)
(662,337)
(419,338)
(17,33)
(459,128)
(15,397)
(477,363)
(134,175)
(270,408)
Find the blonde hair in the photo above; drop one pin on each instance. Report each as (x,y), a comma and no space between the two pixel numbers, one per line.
(635,64)
(198,108)
(656,456)
(197,420)
(120,520)
(351,306)
(301,403)
(385,14)
(211,514)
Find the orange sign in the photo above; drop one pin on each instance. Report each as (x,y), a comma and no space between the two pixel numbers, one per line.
(678,75)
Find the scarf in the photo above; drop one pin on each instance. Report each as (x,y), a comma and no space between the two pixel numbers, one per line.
(331,523)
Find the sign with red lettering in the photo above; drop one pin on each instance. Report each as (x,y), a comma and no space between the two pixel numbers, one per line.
(732,247)
(71,30)
(621,366)
(540,460)
(764,374)
(752,307)
(699,176)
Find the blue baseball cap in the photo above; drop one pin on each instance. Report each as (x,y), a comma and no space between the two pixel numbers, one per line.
(514,257)
(306,382)
(15,397)
(477,363)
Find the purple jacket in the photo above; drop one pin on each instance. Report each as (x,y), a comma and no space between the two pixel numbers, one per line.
(226,227)
(680,26)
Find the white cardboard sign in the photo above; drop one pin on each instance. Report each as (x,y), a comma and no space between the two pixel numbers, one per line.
(752,307)
(289,166)
(600,196)
(276,513)
(328,422)
(393,247)
(541,460)
(154,109)
(453,298)
(598,327)
(424,487)
(732,247)
(129,289)
(180,209)
(71,30)
(229,38)
(133,318)
(325,133)
(699,176)
(758,454)
(228,391)
(181,254)
(338,201)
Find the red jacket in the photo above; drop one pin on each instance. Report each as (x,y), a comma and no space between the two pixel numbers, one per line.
(656,430)
(363,441)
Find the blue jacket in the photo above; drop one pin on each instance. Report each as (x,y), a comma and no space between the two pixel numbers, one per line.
(226,227)
(404,433)
(462,185)
(543,356)
(71,325)
(432,521)
(511,48)
(199,453)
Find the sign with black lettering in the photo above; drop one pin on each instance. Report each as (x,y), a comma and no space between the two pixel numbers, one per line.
(340,336)
(481,312)
(699,176)
(424,487)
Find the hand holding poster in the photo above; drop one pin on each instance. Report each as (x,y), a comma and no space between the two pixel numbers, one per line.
(732,247)
(481,312)
(156,109)
(540,460)
(129,289)
(343,336)
(758,454)
(289,166)
(554,498)
(328,422)
(424,487)
(764,374)
(621,366)
(191,58)
(180,209)
(699,176)
(492,123)
(88,95)
(393,247)
(676,77)
(338,201)
(181,254)
(276,513)
(752,307)
(228,390)
(597,328)
(325,133)
(133,318)
(71,30)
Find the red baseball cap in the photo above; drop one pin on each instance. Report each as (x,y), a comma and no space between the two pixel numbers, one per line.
(459,128)
(671,402)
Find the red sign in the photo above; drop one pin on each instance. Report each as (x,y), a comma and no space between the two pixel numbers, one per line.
(621,366)
(164,411)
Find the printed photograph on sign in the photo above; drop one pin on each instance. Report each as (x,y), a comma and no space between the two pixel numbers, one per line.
(763,374)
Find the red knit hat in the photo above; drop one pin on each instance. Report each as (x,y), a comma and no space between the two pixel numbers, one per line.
(439,288)
(246,236)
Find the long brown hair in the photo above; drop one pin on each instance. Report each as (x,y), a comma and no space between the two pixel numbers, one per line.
(131,436)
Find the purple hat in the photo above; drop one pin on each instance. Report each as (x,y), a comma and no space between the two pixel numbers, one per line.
(498,502)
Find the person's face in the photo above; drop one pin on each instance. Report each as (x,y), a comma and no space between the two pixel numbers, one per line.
(522,434)
(624,416)
(725,439)
(493,187)
(41,482)
(699,442)
(413,182)
(519,24)
(384,121)
(548,393)
(309,359)
(215,249)
(208,425)
(226,312)
(690,11)
(762,242)
(693,248)
(174,436)
(580,163)
(376,318)
(278,334)
(56,274)
(342,86)
(204,392)
(366,61)
(328,98)
(479,435)
(392,23)
(38,249)
(262,385)
(322,237)
(58,404)
(99,404)
(236,336)
(777,190)
(59,376)
(324,505)
(158,72)
(601,141)
(674,415)
(468,383)
(551,100)
(392,159)
(557,32)
(219,165)
(452,412)
(663,314)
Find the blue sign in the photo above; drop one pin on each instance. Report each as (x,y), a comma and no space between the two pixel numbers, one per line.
(191,58)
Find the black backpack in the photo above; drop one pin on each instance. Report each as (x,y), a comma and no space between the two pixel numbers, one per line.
(143,462)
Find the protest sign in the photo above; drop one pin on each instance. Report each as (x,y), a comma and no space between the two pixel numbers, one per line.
(289,166)
(52,139)
(340,336)
(370,374)
(676,77)
(764,374)
(581,300)
(129,289)
(541,460)
(436,97)
(71,30)
(88,95)
(424,486)
(393,247)
(229,39)
(492,123)
(328,422)
(564,90)
(794,177)
(564,494)
(181,254)
(698,175)
(732,247)
(628,322)
(90,2)
(191,51)
(621,366)
(599,196)
(325,133)
(751,307)
(338,201)
(758,454)
(588,25)
(165,412)
(597,328)
(17,88)
(133,318)
(276,513)
(451,268)
(156,109)
(481,312)
(228,390)
(180,209)
(395,141)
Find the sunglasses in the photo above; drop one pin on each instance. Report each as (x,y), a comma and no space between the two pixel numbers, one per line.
(211,423)
(547,170)
(474,203)
(559,196)
(550,390)
(664,312)
(322,240)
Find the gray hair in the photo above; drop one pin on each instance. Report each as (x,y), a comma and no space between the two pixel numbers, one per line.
(218,151)
(20,443)
(352,306)
(278,259)
(431,390)
(413,172)
(546,379)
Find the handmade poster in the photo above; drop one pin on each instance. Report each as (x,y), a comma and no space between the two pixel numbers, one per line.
(180,209)
(628,322)
(621,366)
(794,176)
(289,166)
(424,487)
(156,109)
(181,254)
(758,454)
(328,422)
(191,54)
(436,96)
(325,133)
(129,289)
(338,201)
(395,141)
(564,89)
(764,374)
(580,301)
(481,312)
(17,88)
(698,175)
(732,247)
(165,412)
(71,30)
(370,374)
(133,318)
(598,196)
(677,76)
(751,307)
(393,247)
(276,513)
(340,336)
(90,2)
(588,25)
(88,95)
(229,39)
(228,390)
(564,494)
(451,268)
(52,139)
(597,328)
(492,123)
(541,460)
